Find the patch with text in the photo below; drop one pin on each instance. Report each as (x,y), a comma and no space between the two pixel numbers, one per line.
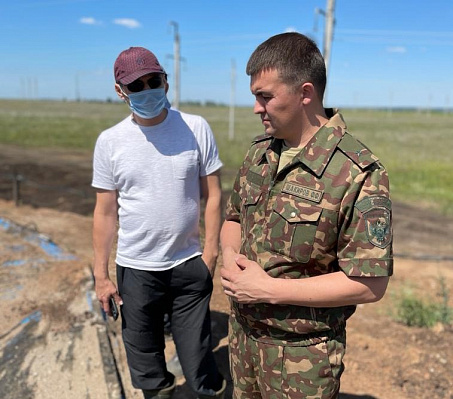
(307,193)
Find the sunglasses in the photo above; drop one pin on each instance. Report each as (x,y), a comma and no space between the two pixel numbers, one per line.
(138,85)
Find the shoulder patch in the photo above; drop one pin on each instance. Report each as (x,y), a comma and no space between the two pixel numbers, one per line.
(376,211)
(374,201)
(357,151)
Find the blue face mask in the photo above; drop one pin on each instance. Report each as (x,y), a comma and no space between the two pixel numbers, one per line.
(148,104)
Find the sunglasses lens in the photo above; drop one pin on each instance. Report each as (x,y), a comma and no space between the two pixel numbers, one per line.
(154,82)
(138,85)
(135,86)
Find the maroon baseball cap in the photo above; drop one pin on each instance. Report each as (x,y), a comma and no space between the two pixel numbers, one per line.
(135,62)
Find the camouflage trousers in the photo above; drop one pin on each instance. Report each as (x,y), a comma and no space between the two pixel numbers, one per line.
(295,371)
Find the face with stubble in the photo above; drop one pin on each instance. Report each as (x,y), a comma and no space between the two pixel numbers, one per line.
(278,105)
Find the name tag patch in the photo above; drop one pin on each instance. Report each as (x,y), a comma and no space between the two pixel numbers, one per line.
(255,178)
(307,193)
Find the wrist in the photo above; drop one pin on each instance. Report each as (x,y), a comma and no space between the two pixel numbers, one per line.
(272,297)
(229,251)
(100,275)
(277,292)
(210,253)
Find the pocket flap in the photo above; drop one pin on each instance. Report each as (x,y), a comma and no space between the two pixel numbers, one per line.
(296,211)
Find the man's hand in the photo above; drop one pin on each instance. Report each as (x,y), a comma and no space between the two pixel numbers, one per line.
(210,261)
(104,290)
(247,283)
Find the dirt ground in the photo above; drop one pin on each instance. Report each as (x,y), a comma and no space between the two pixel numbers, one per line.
(384,359)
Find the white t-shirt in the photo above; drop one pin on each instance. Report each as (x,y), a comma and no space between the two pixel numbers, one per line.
(156,171)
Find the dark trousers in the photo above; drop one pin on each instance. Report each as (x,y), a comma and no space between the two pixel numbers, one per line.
(184,293)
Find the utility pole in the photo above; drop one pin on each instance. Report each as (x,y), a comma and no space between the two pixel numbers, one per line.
(29,88)
(328,33)
(36,88)
(232,100)
(176,66)
(77,87)
(329,16)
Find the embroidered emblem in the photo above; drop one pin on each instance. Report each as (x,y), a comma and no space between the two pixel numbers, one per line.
(307,193)
(378,227)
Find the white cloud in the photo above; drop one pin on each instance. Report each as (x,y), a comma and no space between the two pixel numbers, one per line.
(89,21)
(397,49)
(127,22)
(290,29)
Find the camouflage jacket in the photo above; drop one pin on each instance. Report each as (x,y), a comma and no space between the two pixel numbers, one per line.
(327,210)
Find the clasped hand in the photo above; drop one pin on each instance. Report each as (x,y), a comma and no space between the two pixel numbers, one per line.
(245,281)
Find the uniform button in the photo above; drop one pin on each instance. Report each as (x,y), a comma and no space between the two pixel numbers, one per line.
(293,214)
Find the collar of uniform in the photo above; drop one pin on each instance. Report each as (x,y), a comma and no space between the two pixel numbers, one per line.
(318,151)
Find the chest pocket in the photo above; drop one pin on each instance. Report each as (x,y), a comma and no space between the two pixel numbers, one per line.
(185,164)
(292,228)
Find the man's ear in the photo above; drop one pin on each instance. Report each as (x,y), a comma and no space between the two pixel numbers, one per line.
(308,93)
(120,92)
(166,85)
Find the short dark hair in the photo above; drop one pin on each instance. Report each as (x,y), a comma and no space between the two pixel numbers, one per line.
(296,58)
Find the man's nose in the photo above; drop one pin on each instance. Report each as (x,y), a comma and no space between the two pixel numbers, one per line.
(258,108)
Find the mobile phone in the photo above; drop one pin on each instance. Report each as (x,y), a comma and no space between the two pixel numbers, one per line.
(113,308)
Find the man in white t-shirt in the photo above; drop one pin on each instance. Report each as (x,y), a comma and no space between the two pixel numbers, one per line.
(151,171)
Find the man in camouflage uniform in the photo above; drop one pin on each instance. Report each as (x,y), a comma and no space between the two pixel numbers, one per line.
(307,234)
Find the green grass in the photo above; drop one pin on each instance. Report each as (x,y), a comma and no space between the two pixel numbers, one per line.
(414,147)
(56,124)
(427,311)
(416,150)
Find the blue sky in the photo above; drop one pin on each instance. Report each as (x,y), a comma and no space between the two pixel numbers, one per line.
(385,53)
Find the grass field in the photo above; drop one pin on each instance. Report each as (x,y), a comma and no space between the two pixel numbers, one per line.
(414,146)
